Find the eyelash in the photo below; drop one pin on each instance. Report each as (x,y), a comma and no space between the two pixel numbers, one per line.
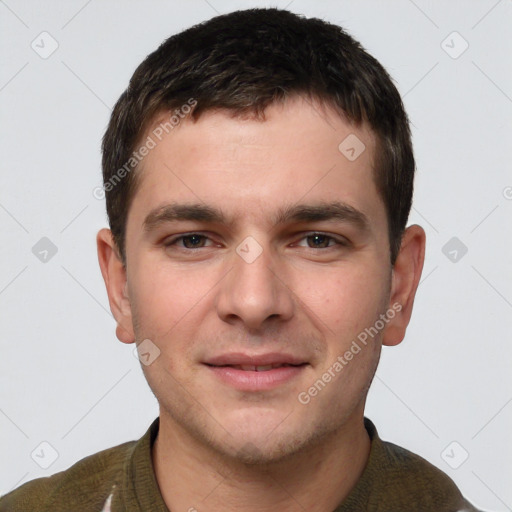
(173,241)
(337,240)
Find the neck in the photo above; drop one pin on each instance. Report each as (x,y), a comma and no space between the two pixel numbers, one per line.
(194,477)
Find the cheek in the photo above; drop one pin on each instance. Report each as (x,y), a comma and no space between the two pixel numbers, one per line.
(166,298)
(344,300)
(166,305)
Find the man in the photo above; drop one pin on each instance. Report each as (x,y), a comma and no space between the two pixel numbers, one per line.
(258,174)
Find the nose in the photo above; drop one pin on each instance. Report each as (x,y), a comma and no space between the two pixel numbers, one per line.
(254,292)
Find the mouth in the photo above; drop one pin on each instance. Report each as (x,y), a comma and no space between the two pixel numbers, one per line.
(256,377)
(254,368)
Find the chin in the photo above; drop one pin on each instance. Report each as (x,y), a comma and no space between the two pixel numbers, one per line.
(257,452)
(274,440)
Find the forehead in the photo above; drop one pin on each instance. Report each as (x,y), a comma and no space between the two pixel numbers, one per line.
(301,152)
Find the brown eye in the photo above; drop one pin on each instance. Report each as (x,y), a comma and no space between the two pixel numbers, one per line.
(193,241)
(318,240)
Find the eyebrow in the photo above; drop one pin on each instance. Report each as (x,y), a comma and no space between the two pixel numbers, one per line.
(296,213)
(178,211)
(323,212)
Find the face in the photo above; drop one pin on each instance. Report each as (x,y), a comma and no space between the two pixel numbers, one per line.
(258,245)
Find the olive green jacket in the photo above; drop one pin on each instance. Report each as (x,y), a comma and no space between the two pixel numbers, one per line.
(121,479)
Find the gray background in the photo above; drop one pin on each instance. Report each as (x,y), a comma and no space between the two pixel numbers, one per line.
(65,380)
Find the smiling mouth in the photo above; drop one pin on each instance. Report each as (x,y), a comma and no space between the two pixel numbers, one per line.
(257,377)
(253,368)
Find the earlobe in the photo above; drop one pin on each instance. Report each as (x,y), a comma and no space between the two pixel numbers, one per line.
(113,271)
(405,279)
(124,335)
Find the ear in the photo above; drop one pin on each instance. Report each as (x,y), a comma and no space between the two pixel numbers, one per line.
(114,274)
(405,279)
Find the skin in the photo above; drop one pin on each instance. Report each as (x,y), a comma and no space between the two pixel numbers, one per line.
(226,449)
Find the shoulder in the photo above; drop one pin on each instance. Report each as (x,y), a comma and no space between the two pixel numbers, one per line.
(406,481)
(413,477)
(84,486)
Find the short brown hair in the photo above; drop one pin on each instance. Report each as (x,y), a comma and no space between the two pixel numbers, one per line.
(243,62)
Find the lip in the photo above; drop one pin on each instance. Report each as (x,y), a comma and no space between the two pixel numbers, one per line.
(224,368)
(240,358)
(250,380)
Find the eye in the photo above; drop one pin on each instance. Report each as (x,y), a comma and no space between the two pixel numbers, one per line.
(189,241)
(320,241)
